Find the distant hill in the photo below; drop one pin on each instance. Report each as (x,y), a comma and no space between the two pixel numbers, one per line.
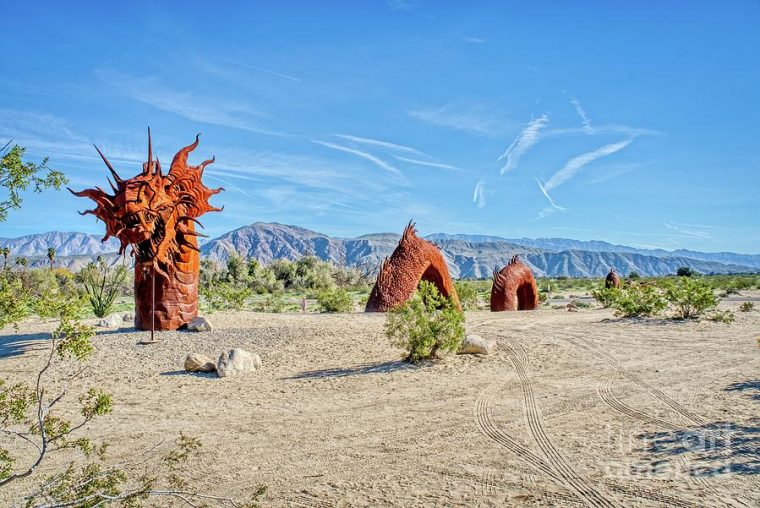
(471,256)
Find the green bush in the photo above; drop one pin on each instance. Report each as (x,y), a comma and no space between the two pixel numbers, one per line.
(723,316)
(426,325)
(686,271)
(747,307)
(468,295)
(336,300)
(226,296)
(639,300)
(690,297)
(634,275)
(605,296)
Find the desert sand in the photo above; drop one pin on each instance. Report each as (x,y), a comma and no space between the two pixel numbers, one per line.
(574,409)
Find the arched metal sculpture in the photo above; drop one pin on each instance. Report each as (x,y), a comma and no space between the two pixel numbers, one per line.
(612,280)
(514,288)
(413,260)
(156,215)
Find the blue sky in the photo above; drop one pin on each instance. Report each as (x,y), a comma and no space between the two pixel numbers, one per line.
(627,122)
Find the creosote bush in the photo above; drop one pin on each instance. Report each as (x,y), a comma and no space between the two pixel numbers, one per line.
(468,295)
(747,307)
(690,297)
(425,326)
(336,300)
(637,300)
(605,296)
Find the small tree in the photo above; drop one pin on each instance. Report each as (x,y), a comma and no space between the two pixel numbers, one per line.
(22,262)
(685,271)
(17,176)
(5,251)
(51,257)
(634,275)
(336,300)
(103,285)
(426,325)
(690,297)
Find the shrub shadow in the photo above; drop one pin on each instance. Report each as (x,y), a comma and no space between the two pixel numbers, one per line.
(713,449)
(18,344)
(751,386)
(357,370)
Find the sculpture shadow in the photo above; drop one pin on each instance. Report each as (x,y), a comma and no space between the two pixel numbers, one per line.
(18,344)
(357,370)
(712,449)
(207,375)
(753,387)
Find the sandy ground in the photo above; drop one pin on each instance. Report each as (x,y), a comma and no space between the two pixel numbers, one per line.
(574,409)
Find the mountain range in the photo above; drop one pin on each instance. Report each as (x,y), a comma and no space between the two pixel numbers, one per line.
(468,256)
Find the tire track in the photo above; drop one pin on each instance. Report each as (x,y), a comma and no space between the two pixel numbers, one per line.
(604,390)
(568,475)
(486,424)
(583,343)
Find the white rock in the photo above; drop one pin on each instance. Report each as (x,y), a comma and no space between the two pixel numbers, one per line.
(237,361)
(112,321)
(199,363)
(199,324)
(476,345)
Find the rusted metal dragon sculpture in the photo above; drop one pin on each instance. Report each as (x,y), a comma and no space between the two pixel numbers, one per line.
(414,259)
(514,288)
(155,215)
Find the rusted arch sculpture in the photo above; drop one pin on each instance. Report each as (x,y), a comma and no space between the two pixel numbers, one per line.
(413,260)
(514,288)
(612,280)
(156,215)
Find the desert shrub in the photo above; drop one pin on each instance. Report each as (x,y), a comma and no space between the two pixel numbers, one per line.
(580,304)
(426,325)
(730,291)
(273,303)
(468,295)
(543,296)
(747,307)
(336,300)
(639,300)
(722,316)
(690,297)
(634,275)
(103,284)
(685,271)
(605,296)
(15,299)
(226,296)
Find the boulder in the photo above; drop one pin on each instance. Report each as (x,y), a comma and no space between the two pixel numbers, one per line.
(237,361)
(476,345)
(112,321)
(199,363)
(199,324)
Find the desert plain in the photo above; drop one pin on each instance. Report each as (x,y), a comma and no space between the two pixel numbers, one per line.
(573,409)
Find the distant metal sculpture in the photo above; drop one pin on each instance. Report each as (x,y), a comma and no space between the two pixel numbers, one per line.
(514,288)
(612,280)
(156,214)
(413,260)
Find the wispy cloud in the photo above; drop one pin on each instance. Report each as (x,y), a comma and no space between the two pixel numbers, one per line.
(473,40)
(364,155)
(582,114)
(479,193)
(546,194)
(261,69)
(522,143)
(215,111)
(690,230)
(406,6)
(428,163)
(614,170)
(474,120)
(575,164)
(381,144)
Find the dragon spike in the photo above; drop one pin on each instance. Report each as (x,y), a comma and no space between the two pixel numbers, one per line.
(158,169)
(206,163)
(113,187)
(108,164)
(179,163)
(185,218)
(87,212)
(194,233)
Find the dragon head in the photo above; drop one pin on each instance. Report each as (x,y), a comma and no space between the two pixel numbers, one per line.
(154,213)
